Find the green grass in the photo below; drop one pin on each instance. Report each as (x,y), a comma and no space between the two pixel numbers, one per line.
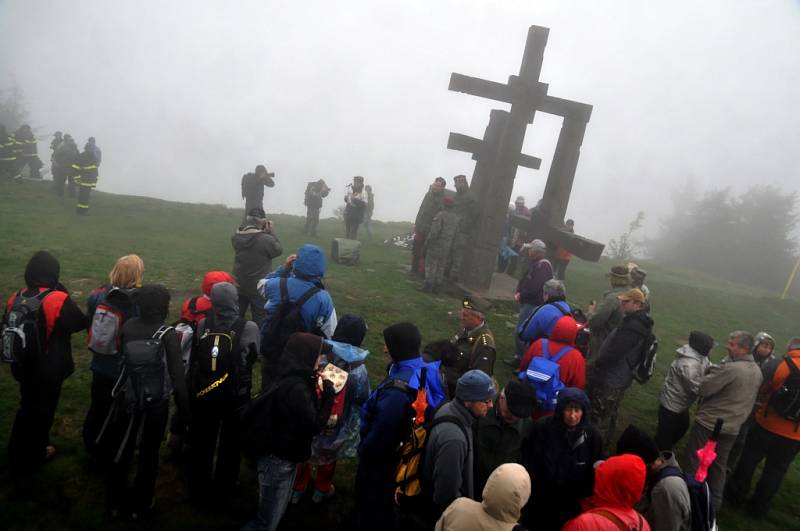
(180,242)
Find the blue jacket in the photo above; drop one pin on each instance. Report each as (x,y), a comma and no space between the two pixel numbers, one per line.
(541,322)
(307,272)
(386,415)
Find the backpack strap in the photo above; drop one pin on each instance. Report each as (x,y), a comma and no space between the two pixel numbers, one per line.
(284,287)
(307,295)
(558,355)
(664,473)
(163,329)
(616,520)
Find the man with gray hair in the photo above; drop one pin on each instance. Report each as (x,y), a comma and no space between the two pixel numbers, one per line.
(255,245)
(728,392)
(540,324)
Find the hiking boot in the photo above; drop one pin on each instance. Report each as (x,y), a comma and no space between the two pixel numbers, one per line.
(49,452)
(296,497)
(320,497)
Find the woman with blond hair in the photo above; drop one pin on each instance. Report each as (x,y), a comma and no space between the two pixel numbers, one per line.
(107,308)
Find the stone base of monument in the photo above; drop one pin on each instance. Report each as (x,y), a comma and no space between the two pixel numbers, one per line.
(502,288)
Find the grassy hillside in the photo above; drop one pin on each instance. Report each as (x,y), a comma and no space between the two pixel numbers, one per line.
(179,242)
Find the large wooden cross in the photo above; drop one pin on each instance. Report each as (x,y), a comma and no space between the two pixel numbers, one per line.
(499,154)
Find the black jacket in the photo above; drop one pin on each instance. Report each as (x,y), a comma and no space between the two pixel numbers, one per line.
(620,350)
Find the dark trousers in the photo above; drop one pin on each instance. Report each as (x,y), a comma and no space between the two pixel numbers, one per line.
(698,437)
(351,227)
(214,426)
(152,423)
(30,435)
(418,253)
(99,407)
(374,496)
(779,453)
(671,428)
(560,268)
(255,301)
(59,180)
(312,221)
(84,193)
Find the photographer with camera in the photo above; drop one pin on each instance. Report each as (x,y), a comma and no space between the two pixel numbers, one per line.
(253,187)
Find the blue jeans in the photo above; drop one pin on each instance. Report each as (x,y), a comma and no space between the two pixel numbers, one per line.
(525,311)
(275,480)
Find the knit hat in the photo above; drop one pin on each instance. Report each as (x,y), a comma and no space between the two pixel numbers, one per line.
(350,329)
(521,398)
(475,386)
(636,442)
(402,340)
(701,342)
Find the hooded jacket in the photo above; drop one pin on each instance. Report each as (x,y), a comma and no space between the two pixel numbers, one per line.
(307,271)
(611,366)
(572,366)
(619,483)
(224,314)
(683,379)
(59,318)
(507,490)
(541,322)
(562,462)
(197,310)
(254,250)
(297,412)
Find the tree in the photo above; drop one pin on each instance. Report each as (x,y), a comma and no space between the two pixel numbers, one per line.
(746,238)
(625,247)
(13,111)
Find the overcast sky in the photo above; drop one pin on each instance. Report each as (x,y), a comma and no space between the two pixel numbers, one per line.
(184,97)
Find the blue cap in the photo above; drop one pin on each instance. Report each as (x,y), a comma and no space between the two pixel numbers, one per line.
(475,385)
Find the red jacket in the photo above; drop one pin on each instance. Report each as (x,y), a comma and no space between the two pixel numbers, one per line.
(618,484)
(195,308)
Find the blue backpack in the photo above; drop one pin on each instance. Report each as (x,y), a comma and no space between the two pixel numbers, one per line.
(544,376)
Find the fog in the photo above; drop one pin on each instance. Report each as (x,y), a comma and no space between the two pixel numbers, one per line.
(185,97)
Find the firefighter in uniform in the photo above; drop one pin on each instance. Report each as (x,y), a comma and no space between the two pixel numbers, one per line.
(475,344)
(29,152)
(84,173)
(8,156)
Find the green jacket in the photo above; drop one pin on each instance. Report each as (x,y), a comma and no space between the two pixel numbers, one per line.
(476,351)
(466,207)
(442,233)
(431,205)
(606,317)
(497,442)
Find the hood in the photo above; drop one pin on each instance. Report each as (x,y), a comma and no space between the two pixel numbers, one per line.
(569,395)
(247,236)
(686,351)
(351,329)
(507,490)
(213,277)
(565,330)
(225,304)
(310,262)
(42,271)
(619,482)
(301,353)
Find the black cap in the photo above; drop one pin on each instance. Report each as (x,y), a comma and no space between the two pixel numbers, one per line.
(636,442)
(701,342)
(521,398)
(403,341)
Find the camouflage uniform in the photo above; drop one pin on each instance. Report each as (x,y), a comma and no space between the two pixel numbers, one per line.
(466,207)
(431,205)
(438,245)
(476,351)
(606,317)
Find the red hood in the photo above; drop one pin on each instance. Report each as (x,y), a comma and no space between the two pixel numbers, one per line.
(213,277)
(619,482)
(565,330)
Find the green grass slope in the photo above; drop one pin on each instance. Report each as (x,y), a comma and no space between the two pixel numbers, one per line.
(180,242)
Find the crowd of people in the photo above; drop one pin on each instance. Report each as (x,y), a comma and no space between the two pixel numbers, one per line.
(539,452)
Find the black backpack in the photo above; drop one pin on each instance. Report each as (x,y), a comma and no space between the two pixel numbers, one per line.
(786,399)
(214,364)
(286,320)
(645,364)
(21,333)
(704,517)
(255,421)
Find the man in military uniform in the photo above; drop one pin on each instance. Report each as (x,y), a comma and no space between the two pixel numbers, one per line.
(475,344)
(438,244)
(466,207)
(253,187)
(431,204)
(607,315)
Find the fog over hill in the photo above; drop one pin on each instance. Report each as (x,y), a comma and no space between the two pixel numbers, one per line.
(184,97)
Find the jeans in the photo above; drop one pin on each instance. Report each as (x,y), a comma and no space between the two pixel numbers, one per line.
(525,311)
(275,480)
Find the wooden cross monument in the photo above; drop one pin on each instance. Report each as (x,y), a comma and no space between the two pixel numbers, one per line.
(498,155)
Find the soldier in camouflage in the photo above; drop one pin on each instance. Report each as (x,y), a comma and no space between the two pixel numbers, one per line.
(607,315)
(438,245)
(466,207)
(431,204)
(475,343)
